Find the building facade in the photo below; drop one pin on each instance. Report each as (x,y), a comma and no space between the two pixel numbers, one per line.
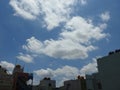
(6,80)
(78,84)
(20,79)
(47,84)
(93,82)
(109,71)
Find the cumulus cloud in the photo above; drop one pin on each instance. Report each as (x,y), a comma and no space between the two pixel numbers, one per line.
(60,74)
(64,49)
(25,57)
(105,16)
(26,9)
(77,36)
(74,42)
(52,15)
(7,65)
(60,12)
(89,68)
(33,45)
(81,30)
(83,2)
(67,72)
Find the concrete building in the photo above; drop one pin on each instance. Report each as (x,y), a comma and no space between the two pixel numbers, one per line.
(35,87)
(93,82)
(20,79)
(109,71)
(6,80)
(89,82)
(72,85)
(47,84)
(78,84)
(60,88)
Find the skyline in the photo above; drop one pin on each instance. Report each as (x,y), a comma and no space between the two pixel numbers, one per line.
(62,41)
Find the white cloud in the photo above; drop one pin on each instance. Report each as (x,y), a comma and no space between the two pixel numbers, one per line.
(33,45)
(25,57)
(44,73)
(60,74)
(7,65)
(105,16)
(77,36)
(53,12)
(66,72)
(89,68)
(74,42)
(64,48)
(81,30)
(83,2)
(27,9)
(60,12)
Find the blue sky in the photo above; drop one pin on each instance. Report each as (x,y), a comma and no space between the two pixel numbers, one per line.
(57,38)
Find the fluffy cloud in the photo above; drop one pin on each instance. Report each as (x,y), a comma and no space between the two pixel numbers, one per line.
(60,74)
(26,9)
(7,65)
(83,31)
(64,49)
(60,12)
(67,72)
(89,68)
(74,42)
(52,15)
(105,16)
(25,57)
(83,2)
(77,36)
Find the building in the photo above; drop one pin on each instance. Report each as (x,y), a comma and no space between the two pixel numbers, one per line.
(47,84)
(93,82)
(20,79)
(60,88)
(16,81)
(35,87)
(6,80)
(72,85)
(78,84)
(109,71)
(89,82)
